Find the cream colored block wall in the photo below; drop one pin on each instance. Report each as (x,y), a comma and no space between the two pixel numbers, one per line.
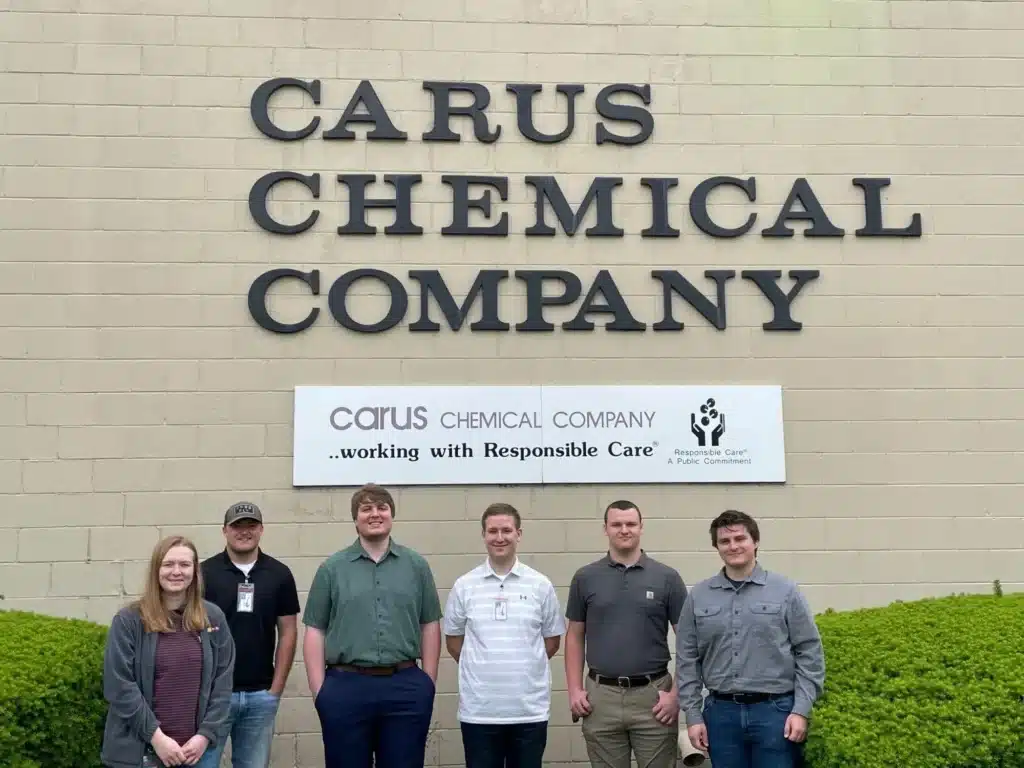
(137,397)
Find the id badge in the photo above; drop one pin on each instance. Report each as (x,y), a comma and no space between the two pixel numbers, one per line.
(246,592)
(500,609)
(150,761)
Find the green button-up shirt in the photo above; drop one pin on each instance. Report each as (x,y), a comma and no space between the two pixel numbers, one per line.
(371,612)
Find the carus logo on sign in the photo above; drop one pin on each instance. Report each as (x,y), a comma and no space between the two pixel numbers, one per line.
(371,418)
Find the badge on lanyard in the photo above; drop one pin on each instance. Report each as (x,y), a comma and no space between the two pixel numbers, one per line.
(500,609)
(246,593)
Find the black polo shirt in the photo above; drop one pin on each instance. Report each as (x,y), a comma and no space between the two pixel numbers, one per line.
(255,633)
(627,612)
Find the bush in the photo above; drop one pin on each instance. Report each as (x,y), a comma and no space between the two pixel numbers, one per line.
(937,683)
(51,691)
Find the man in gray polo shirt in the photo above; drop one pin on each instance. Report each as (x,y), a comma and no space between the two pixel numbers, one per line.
(750,637)
(619,610)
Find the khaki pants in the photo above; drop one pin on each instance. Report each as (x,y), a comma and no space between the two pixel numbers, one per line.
(621,722)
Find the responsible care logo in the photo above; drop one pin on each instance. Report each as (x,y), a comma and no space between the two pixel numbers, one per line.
(709,423)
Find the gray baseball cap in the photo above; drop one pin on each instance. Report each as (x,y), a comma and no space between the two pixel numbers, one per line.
(242,510)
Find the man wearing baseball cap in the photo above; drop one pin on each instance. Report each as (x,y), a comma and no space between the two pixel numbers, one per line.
(258,596)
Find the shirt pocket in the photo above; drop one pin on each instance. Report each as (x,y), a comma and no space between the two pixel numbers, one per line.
(767,621)
(766,611)
(710,624)
(656,605)
(707,612)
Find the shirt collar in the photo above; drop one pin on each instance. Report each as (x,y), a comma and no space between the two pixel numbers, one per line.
(641,563)
(516,570)
(230,565)
(355,550)
(758,576)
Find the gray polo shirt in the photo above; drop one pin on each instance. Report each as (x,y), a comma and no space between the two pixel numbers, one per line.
(760,638)
(626,612)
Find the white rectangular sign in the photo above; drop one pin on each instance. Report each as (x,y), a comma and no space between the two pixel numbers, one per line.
(347,436)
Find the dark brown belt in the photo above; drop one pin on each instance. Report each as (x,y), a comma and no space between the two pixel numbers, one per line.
(375,671)
(626,681)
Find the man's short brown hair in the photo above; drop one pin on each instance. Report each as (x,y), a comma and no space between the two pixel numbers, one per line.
(374,494)
(500,508)
(734,517)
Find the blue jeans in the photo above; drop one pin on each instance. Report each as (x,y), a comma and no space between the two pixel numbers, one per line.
(750,735)
(210,759)
(375,720)
(519,745)
(250,728)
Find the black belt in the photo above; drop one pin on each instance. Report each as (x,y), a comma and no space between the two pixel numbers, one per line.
(626,681)
(746,697)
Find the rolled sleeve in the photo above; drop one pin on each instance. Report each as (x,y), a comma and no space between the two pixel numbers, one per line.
(808,654)
(689,682)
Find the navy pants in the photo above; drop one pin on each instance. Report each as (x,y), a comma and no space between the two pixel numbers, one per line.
(750,735)
(504,746)
(371,720)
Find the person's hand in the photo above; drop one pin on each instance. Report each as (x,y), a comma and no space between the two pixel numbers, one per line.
(579,703)
(796,727)
(666,710)
(167,749)
(194,748)
(698,736)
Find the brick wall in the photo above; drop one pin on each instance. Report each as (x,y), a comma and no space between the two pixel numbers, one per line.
(138,398)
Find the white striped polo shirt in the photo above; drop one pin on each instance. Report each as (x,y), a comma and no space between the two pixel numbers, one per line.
(504,675)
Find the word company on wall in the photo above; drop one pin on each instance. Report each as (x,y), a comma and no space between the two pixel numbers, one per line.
(618,105)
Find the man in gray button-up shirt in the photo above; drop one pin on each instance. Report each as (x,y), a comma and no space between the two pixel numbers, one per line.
(749,636)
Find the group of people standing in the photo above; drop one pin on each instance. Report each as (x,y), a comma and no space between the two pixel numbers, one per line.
(203,656)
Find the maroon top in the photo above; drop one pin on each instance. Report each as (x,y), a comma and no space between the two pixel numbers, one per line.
(179,669)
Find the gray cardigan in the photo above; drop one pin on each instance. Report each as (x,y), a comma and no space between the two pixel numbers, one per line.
(129,664)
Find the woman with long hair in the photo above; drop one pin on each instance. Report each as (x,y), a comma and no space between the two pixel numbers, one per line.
(168,668)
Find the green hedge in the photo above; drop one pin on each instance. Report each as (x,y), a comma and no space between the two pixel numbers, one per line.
(936,683)
(51,691)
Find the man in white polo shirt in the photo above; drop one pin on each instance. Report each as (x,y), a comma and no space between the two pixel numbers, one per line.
(502,623)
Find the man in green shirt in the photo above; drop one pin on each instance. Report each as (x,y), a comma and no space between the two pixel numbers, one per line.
(372,610)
